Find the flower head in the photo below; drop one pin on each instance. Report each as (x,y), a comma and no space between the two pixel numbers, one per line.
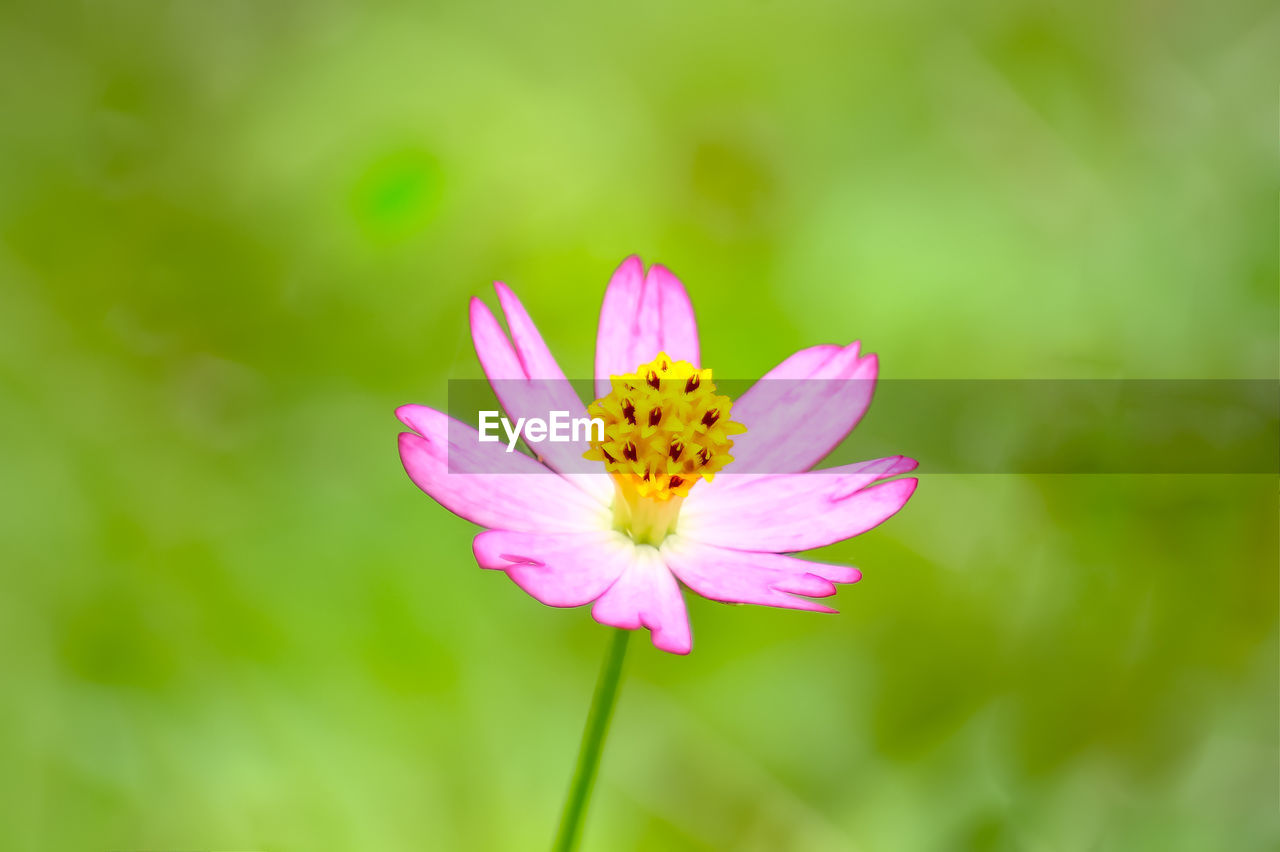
(664,430)
(648,512)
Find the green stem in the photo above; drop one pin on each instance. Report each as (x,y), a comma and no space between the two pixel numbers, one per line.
(584,775)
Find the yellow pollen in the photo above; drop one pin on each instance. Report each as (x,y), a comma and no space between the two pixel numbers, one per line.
(664,429)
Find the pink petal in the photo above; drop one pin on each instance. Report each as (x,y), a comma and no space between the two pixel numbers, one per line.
(804,363)
(786,513)
(558,569)
(529,383)
(802,408)
(769,579)
(646,595)
(749,490)
(535,358)
(487,485)
(642,315)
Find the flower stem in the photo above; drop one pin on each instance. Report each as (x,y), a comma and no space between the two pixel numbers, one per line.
(584,775)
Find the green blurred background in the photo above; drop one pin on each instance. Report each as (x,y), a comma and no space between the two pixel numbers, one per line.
(234,236)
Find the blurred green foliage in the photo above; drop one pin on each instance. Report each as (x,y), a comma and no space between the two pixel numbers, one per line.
(234,236)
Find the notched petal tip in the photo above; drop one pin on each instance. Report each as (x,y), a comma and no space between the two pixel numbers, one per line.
(662,639)
(556,570)
(507,299)
(631,263)
(647,595)
(765,579)
(671,646)
(409,444)
(627,277)
(851,484)
(906,464)
(405,414)
(482,318)
(663,276)
(891,496)
(423,420)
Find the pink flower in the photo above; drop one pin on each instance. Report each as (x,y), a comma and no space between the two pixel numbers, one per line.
(570,538)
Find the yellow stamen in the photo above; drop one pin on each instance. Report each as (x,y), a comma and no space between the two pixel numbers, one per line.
(664,429)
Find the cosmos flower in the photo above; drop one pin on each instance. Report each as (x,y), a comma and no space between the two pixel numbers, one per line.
(624,520)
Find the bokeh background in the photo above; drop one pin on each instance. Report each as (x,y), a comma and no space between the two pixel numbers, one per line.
(235,235)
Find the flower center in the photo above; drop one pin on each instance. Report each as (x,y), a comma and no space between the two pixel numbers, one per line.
(664,429)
